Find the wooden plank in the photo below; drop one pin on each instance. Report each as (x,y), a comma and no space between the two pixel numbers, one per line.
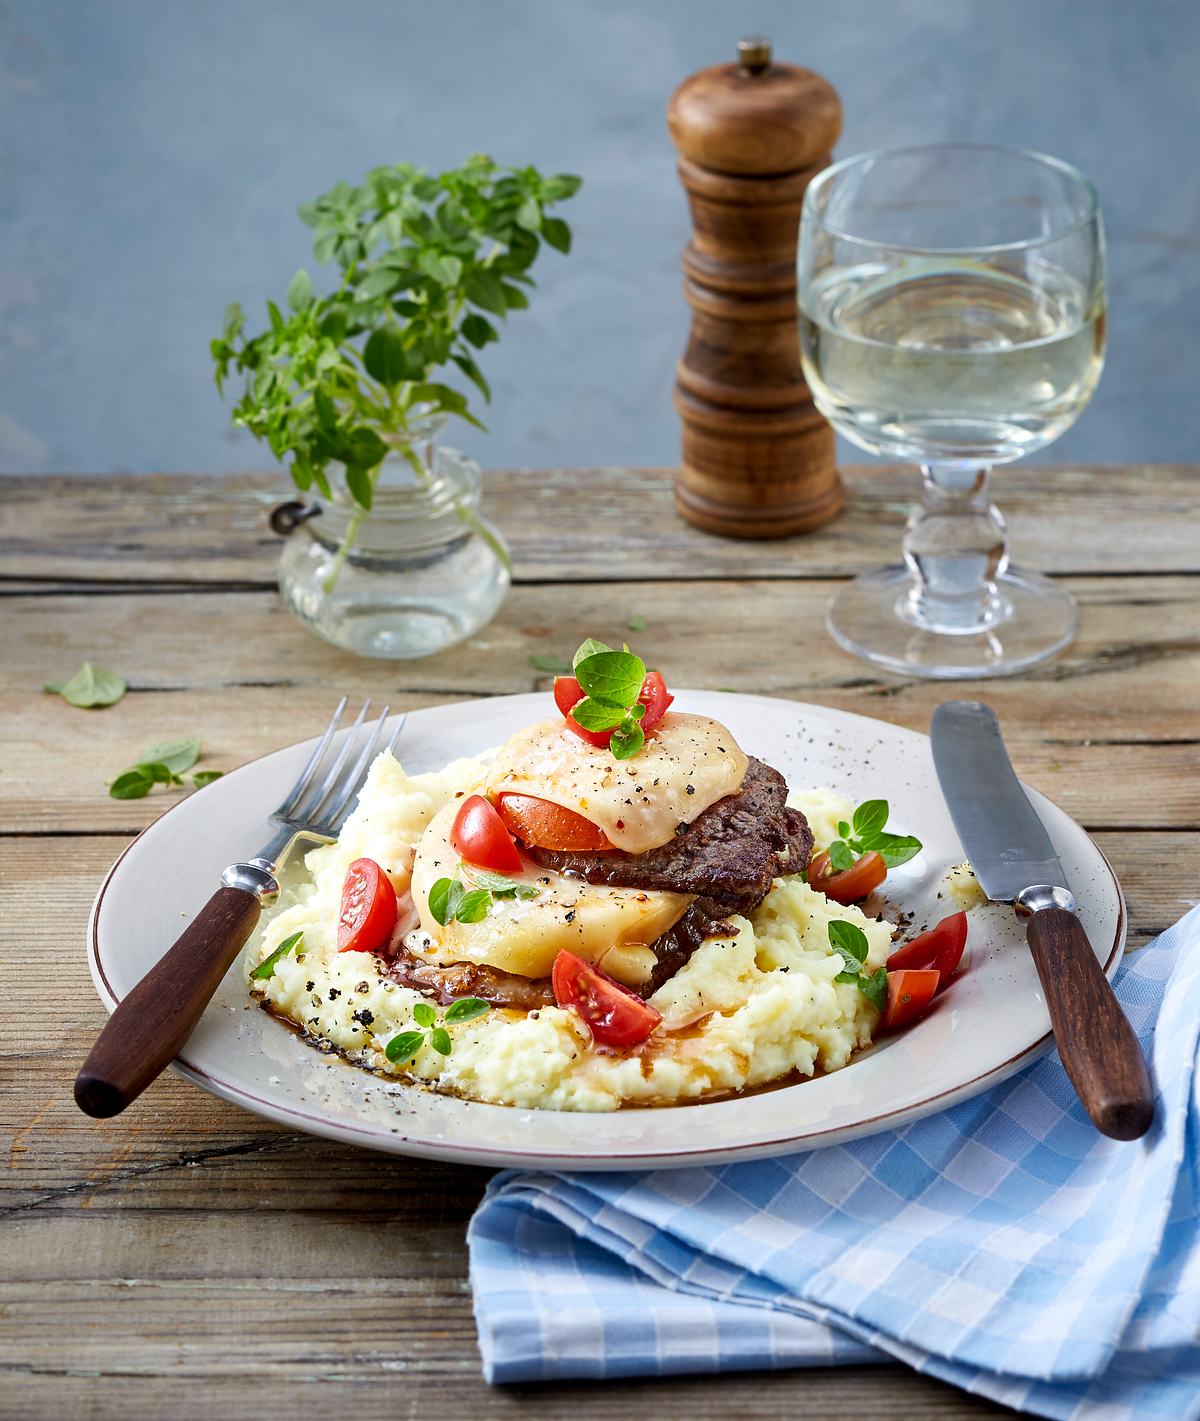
(564,523)
(190,1242)
(1109,731)
(390,1385)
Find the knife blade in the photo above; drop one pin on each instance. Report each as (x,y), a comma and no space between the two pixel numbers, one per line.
(1014,860)
(1005,840)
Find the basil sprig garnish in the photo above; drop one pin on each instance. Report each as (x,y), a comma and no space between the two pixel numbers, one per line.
(850,943)
(611,682)
(401,1049)
(162,765)
(450,899)
(867,835)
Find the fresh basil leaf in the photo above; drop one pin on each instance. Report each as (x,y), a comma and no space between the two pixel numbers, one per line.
(627,740)
(132,784)
(176,755)
(266,968)
(362,489)
(385,356)
(485,878)
(466,1009)
(840,856)
(473,907)
(870,817)
(636,623)
(848,936)
(401,1049)
(850,973)
(529,214)
(424,1014)
(636,711)
(557,233)
(300,291)
(590,647)
(444,897)
(560,186)
(896,848)
(439,1039)
(552,665)
(612,676)
(497,885)
(594,715)
(159,773)
(90,686)
(874,987)
(379,281)
(206,777)
(441,266)
(483,289)
(843,829)
(478,331)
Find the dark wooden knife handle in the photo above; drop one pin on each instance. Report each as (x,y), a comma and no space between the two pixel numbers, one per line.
(1096,1042)
(147,1030)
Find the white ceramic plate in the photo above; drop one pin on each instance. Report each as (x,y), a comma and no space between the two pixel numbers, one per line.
(992,1023)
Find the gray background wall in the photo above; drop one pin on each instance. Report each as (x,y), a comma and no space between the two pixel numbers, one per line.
(153,152)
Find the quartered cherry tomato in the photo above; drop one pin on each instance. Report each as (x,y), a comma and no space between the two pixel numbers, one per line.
(909,994)
(549,826)
(656,698)
(614,1015)
(940,947)
(653,695)
(368,913)
(852,883)
(480,836)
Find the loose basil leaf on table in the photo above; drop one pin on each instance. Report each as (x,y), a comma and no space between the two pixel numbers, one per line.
(91,686)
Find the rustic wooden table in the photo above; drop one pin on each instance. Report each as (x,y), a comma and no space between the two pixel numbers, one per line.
(188,1260)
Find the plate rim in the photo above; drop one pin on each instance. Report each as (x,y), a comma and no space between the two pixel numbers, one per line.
(391,1142)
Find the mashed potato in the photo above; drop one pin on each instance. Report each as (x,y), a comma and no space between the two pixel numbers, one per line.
(745,1010)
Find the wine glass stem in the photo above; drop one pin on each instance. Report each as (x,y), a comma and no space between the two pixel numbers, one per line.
(956,546)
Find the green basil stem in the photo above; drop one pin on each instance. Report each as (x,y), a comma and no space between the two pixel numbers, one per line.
(463,511)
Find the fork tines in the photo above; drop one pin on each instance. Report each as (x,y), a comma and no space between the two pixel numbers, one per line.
(321,797)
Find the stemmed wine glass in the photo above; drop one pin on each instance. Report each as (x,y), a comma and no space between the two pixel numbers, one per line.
(952,313)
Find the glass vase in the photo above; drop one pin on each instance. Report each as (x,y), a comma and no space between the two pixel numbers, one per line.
(423,570)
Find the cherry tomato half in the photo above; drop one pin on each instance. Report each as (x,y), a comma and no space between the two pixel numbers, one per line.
(851,883)
(940,947)
(480,836)
(653,695)
(909,995)
(549,826)
(368,912)
(614,1015)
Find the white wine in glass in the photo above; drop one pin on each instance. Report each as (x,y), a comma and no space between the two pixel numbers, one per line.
(952,315)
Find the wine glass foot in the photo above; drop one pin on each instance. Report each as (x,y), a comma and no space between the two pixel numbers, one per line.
(863,618)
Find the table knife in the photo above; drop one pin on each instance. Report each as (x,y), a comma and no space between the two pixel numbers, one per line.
(1015,862)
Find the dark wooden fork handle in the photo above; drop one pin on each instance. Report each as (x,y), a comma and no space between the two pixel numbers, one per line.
(148,1029)
(1096,1042)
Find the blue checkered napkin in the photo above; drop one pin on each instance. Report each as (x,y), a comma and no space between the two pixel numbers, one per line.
(1002,1245)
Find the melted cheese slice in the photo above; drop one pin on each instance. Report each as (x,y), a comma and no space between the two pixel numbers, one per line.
(686,765)
(612,927)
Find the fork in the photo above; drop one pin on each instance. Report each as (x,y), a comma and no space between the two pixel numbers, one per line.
(149,1027)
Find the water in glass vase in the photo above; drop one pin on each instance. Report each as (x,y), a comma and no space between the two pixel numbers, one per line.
(944,359)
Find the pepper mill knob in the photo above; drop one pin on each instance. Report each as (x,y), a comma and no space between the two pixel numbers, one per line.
(758,459)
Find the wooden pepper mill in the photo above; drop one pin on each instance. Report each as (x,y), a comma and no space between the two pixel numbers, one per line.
(758,460)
